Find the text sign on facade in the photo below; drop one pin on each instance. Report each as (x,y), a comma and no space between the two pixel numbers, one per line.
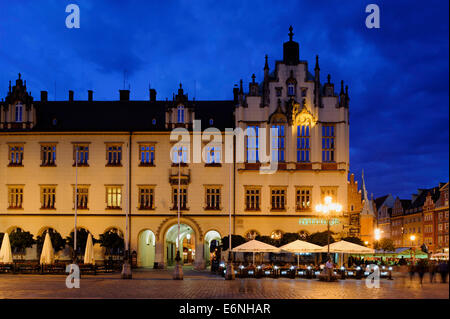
(317,221)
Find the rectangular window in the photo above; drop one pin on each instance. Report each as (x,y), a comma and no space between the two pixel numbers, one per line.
(16,155)
(182,199)
(180,114)
(180,155)
(147,154)
(328,138)
(328,191)
(278,144)
(303,198)
(213,197)
(15,197)
(291,89)
(213,154)
(146,197)
(48,197)
(19,112)
(81,155)
(114,155)
(303,143)
(278,198)
(252,198)
(48,154)
(252,144)
(83,196)
(113,197)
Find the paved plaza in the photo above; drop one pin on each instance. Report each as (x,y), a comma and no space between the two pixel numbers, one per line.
(202,284)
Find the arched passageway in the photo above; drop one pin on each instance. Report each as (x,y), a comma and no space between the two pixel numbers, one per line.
(146,249)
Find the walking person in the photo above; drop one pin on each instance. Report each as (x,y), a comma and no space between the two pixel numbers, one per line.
(443,270)
(422,266)
(329,268)
(432,268)
(412,270)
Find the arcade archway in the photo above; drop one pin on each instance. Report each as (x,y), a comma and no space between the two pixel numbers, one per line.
(146,248)
(212,239)
(186,246)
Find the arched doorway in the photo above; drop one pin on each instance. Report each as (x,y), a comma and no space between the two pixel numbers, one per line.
(146,248)
(213,238)
(186,247)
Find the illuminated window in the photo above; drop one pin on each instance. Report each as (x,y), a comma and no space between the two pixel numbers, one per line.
(15,155)
(146,197)
(113,155)
(278,198)
(15,197)
(303,198)
(278,144)
(328,147)
(328,191)
(48,197)
(147,154)
(276,234)
(252,144)
(213,197)
(252,198)
(303,143)
(113,197)
(48,154)
(213,154)
(83,196)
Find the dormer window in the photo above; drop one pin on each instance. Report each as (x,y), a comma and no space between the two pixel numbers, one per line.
(211,121)
(291,89)
(19,112)
(180,114)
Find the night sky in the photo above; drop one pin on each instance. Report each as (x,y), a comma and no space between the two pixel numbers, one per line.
(397,75)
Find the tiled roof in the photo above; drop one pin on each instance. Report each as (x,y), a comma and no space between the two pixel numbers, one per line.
(123,115)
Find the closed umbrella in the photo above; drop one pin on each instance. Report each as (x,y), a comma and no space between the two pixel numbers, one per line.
(89,252)
(5,251)
(47,255)
(300,246)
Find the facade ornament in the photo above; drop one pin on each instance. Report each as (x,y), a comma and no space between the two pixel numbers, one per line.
(301,115)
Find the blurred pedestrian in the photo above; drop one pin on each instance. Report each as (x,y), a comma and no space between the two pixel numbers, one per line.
(443,270)
(422,267)
(432,268)
(411,270)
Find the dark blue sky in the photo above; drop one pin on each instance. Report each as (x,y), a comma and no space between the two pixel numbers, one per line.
(397,75)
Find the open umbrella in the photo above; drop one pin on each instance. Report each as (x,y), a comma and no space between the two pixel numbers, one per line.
(5,251)
(256,246)
(89,251)
(300,246)
(348,248)
(47,255)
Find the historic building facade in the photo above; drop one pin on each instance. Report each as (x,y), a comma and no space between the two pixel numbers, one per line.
(119,158)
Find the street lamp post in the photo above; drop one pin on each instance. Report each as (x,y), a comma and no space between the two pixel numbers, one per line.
(413,252)
(229,273)
(178,271)
(326,209)
(126,267)
(76,206)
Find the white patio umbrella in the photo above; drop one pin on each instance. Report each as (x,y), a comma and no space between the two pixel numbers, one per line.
(5,251)
(347,248)
(300,246)
(256,246)
(89,251)
(47,254)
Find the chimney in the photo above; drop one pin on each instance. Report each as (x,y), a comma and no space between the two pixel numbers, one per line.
(124,95)
(70,95)
(44,96)
(90,95)
(152,95)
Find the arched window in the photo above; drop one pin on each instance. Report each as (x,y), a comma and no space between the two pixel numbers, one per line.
(278,143)
(19,112)
(180,114)
(291,89)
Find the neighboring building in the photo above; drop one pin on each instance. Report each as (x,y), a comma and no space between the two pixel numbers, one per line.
(383,207)
(367,218)
(429,228)
(398,211)
(355,205)
(441,219)
(122,153)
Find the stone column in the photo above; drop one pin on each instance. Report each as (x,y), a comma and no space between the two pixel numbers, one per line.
(159,254)
(199,262)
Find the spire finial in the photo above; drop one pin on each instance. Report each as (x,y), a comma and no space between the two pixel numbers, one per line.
(241,89)
(266,65)
(19,75)
(181,86)
(329,78)
(253,78)
(342,86)
(290,33)
(317,62)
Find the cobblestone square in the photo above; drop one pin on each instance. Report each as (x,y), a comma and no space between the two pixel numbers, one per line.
(202,284)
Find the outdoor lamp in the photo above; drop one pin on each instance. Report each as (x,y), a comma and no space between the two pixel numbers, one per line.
(377,234)
(412,237)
